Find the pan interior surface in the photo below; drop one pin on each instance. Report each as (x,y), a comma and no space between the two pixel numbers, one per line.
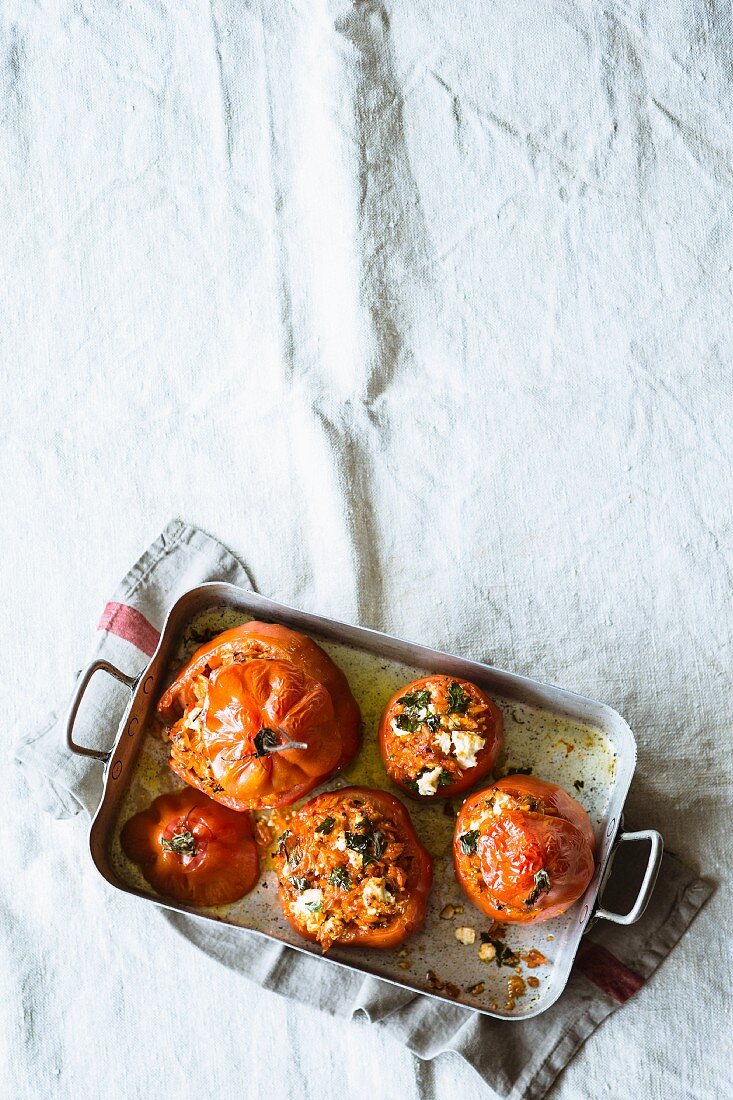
(558,743)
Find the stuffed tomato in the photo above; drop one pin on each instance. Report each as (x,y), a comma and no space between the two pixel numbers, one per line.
(240,702)
(189,848)
(352,870)
(440,735)
(523,850)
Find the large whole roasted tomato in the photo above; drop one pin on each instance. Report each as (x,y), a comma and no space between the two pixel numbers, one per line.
(352,870)
(440,735)
(189,848)
(242,699)
(523,850)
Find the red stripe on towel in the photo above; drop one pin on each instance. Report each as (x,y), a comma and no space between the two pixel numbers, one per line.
(607,972)
(130,624)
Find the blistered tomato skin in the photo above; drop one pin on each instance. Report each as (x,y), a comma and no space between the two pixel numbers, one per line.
(439,736)
(192,849)
(352,871)
(557,801)
(523,850)
(254,688)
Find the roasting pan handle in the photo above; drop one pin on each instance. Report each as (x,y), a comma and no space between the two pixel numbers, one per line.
(650,877)
(82,684)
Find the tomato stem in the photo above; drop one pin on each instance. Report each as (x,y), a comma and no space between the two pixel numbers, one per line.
(183,844)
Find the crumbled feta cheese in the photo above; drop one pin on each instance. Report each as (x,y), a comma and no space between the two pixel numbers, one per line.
(466,746)
(443,740)
(332,927)
(375,892)
(340,842)
(306,904)
(487,952)
(427,783)
(465,935)
(502,802)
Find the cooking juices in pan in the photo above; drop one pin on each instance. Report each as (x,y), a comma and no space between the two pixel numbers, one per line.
(459,949)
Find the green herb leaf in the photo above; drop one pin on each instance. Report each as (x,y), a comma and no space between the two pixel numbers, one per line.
(445,779)
(415,699)
(281,849)
(541,886)
(358,842)
(458,699)
(293,856)
(468,842)
(300,882)
(265,740)
(379,844)
(340,877)
(314,906)
(371,846)
(326,826)
(183,844)
(416,713)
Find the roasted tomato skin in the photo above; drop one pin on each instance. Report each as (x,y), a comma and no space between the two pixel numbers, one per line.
(262,675)
(392,747)
(222,865)
(541,830)
(556,799)
(420,878)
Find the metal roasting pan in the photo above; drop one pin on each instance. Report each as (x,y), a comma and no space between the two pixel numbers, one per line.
(135,772)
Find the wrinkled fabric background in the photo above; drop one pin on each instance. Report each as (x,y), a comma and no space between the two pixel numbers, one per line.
(424,310)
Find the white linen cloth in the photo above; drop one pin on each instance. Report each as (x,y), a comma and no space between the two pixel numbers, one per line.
(424,309)
(518,1060)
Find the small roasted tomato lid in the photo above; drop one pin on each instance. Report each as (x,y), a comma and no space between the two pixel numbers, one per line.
(440,735)
(193,849)
(523,850)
